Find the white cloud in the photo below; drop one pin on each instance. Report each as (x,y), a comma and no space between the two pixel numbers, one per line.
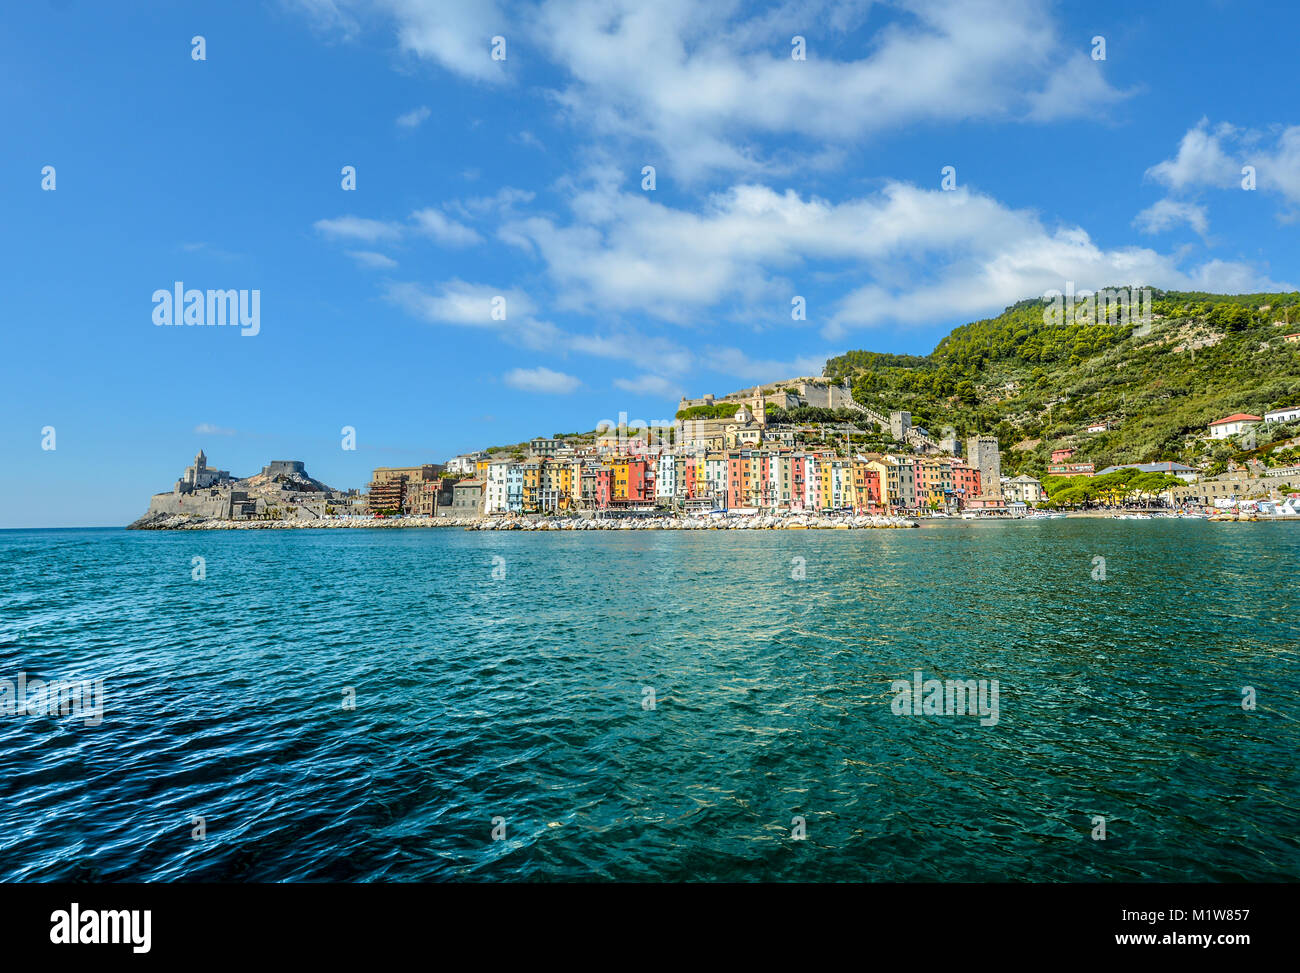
(358,228)
(1169,213)
(911,255)
(1075,89)
(983,279)
(704,81)
(461,303)
(208,429)
(1215,156)
(444,229)
(328,16)
(647,384)
(1229,277)
(1201,161)
(413,118)
(658,354)
(369,258)
(504,200)
(425,222)
(541,380)
(456,35)
(1280,169)
(733,361)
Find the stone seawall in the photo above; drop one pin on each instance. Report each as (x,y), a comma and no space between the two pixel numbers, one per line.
(196,505)
(794,522)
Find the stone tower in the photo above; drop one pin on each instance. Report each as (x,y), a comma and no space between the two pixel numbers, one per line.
(982,453)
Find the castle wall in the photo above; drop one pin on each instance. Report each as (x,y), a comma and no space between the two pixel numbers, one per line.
(214,504)
(284,467)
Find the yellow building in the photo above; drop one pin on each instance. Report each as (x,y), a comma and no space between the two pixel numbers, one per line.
(532,470)
(557,486)
(619,466)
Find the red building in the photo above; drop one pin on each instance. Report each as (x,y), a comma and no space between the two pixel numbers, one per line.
(640,480)
(965,481)
(798,471)
(604,487)
(1061,455)
(867,486)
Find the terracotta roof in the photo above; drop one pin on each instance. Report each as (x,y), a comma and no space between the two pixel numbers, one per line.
(1236,417)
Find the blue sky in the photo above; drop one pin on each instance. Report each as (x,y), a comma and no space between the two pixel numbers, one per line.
(522,178)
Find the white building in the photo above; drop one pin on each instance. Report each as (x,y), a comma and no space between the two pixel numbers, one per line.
(496,499)
(200,476)
(465,463)
(1283,415)
(665,476)
(1023,488)
(1233,425)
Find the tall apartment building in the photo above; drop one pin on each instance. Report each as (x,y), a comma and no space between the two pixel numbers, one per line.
(391,485)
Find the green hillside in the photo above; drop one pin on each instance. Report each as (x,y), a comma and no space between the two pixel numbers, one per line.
(1205,356)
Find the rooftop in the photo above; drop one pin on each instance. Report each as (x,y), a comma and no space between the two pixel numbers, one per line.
(1237,417)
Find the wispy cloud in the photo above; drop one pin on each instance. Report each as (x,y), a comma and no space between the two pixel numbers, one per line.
(1169,213)
(705,81)
(541,380)
(444,229)
(208,429)
(369,258)
(733,361)
(413,118)
(1217,156)
(461,303)
(358,228)
(426,222)
(655,385)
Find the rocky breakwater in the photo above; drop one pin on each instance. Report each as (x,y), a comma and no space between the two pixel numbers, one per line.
(181,522)
(694,523)
(796,522)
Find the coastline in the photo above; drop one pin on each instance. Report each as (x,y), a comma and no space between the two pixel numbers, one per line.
(649,522)
(795,522)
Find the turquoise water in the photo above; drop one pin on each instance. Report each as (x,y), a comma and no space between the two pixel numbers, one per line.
(523,698)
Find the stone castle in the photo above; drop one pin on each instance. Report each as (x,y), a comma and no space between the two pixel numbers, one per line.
(283,490)
(822,393)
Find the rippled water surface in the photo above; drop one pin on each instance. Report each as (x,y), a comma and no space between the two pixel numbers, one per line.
(522,698)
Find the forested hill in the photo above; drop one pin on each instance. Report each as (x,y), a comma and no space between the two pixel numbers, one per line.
(1204,356)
